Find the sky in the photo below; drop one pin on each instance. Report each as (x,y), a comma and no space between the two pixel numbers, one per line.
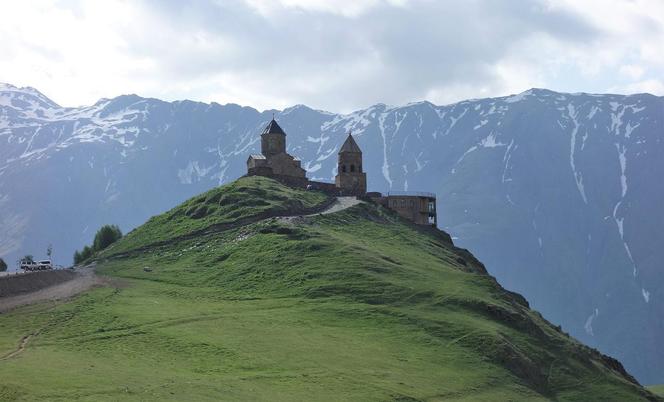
(337,56)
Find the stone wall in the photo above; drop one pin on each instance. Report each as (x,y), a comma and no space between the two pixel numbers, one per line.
(291,181)
(328,188)
(33,281)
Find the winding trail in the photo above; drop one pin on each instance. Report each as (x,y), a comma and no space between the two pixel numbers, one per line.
(21,346)
(340,204)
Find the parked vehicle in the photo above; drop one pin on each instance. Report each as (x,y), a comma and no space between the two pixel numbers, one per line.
(42,265)
(28,265)
(45,264)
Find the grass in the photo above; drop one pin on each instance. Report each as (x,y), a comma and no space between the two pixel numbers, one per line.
(657,389)
(354,305)
(240,200)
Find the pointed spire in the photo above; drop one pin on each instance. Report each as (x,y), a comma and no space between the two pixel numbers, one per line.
(273,128)
(350,145)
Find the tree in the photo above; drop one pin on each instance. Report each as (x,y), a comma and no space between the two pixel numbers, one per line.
(81,256)
(77,257)
(86,253)
(107,235)
(49,251)
(29,259)
(3,265)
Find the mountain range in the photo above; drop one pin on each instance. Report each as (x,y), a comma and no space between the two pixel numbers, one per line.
(558,194)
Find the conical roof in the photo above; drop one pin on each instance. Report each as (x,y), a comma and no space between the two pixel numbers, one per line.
(350,145)
(273,128)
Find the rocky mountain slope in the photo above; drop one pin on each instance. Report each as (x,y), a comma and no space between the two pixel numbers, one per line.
(241,293)
(559,193)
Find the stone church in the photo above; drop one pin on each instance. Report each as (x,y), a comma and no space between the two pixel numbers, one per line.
(278,164)
(274,161)
(351,180)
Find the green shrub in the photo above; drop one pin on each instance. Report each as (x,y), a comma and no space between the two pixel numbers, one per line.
(105,236)
(3,265)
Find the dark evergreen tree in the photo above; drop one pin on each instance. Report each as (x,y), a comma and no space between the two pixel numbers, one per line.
(86,253)
(107,235)
(77,257)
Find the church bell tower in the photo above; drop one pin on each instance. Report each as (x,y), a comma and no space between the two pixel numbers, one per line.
(351,179)
(273,139)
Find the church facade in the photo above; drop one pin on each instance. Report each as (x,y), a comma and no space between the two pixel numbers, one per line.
(351,179)
(274,161)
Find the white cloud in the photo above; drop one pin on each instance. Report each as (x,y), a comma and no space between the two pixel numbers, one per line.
(337,55)
(347,8)
(632,71)
(77,55)
(652,86)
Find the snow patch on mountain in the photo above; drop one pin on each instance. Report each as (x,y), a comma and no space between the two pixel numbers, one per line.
(588,326)
(518,97)
(386,166)
(454,120)
(490,142)
(572,114)
(646,295)
(506,163)
(482,124)
(193,172)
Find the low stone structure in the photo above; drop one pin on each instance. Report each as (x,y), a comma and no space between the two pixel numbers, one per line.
(351,180)
(418,207)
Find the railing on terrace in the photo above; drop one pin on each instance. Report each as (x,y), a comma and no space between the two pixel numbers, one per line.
(412,194)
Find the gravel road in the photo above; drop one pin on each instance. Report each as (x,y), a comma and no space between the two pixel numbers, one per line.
(84,279)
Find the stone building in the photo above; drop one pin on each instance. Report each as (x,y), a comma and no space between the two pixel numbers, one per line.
(418,207)
(274,161)
(350,179)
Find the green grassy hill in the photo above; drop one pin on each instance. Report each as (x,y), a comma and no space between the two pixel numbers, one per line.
(657,389)
(216,300)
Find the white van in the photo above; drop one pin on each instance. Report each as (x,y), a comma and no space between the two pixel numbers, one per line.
(45,264)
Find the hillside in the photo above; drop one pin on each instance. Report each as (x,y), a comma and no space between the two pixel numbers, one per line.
(215,300)
(657,389)
(567,183)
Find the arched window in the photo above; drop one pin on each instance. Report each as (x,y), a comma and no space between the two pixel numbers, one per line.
(343,168)
(352,168)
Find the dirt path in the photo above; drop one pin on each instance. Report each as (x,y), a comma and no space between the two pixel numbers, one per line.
(84,279)
(21,347)
(340,204)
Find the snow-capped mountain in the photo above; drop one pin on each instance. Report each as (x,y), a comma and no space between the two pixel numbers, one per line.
(559,194)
